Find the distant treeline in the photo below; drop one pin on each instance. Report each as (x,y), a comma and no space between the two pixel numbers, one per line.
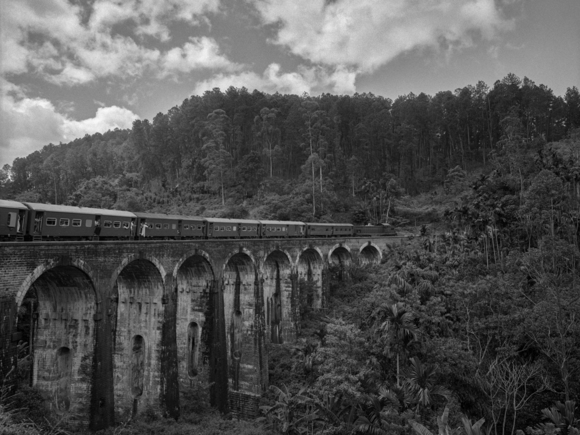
(238,142)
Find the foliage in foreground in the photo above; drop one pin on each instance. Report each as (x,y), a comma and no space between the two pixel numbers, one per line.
(480,323)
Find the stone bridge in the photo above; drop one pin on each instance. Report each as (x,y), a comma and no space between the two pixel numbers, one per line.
(112,328)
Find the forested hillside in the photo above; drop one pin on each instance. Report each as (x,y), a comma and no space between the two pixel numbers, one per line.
(294,157)
(480,322)
(469,331)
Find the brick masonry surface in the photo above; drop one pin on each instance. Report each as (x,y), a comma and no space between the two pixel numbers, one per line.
(117,327)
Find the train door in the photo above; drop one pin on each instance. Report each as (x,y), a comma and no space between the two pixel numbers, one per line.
(98,225)
(143,228)
(37,226)
(179,229)
(133,229)
(20,222)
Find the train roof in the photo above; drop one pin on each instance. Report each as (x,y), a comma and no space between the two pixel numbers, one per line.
(282,222)
(80,210)
(7,203)
(319,224)
(168,216)
(227,221)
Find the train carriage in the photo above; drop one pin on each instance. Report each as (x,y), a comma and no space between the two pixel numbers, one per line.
(296,229)
(47,221)
(281,229)
(232,228)
(249,228)
(192,227)
(218,228)
(374,230)
(158,226)
(342,230)
(13,220)
(319,229)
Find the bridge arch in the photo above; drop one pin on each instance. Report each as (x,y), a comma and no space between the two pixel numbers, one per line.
(57,304)
(340,255)
(138,286)
(369,253)
(240,309)
(309,267)
(51,264)
(276,273)
(129,259)
(194,279)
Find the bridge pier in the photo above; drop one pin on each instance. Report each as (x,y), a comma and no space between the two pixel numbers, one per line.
(61,337)
(195,285)
(277,282)
(137,333)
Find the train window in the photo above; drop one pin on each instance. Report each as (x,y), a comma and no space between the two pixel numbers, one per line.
(199,228)
(284,229)
(229,228)
(185,227)
(165,226)
(108,224)
(157,226)
(173,226)
(76,222)
(88,223)
(117,224)
(11,220)
(64,222)
(126,225)
(51,222)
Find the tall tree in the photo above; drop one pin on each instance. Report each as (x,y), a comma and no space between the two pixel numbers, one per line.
(217,159)
(268,134)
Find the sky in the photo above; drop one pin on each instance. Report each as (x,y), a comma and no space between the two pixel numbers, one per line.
(74,67)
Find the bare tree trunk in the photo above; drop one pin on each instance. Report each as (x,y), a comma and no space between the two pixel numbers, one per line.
(271,165)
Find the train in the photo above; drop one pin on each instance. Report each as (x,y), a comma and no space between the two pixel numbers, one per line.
(28,221)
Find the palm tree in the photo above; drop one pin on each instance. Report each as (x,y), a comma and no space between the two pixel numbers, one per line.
(422,385)
(400,329)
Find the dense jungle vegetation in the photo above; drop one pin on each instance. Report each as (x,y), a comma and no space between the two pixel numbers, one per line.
(470,327)
(333,158)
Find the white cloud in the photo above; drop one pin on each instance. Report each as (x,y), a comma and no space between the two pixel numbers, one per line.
(151,16)
(70,45)
(367,33)
(106,118)
(313,80)
(18,114)
(198,53)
